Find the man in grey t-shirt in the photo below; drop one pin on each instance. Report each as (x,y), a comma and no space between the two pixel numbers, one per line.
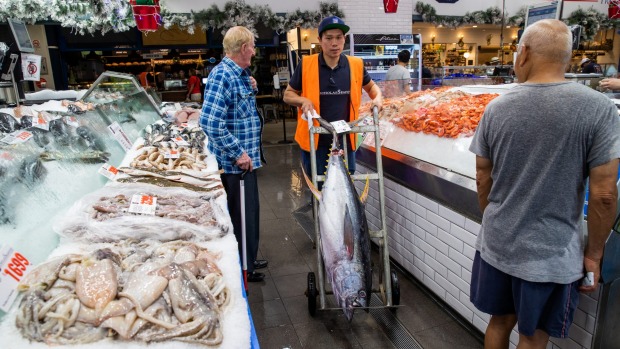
(397,77)
(536,147)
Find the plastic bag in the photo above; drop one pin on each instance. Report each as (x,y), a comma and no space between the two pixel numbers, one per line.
(104,216)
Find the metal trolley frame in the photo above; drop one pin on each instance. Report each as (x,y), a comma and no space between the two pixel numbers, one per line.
(389,287)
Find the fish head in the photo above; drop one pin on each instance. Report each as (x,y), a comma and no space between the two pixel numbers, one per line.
(351,291)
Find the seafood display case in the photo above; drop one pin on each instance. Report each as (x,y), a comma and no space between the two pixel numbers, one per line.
(432,209)
(111,251)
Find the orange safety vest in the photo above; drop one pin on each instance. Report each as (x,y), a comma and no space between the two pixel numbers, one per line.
(310,90)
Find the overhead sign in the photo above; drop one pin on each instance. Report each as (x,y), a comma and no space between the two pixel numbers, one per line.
(152,56)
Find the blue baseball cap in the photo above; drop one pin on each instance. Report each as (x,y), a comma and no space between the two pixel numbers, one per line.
(333,22)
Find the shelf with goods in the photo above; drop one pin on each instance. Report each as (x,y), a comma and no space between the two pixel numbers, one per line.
(81,211)
(380,51)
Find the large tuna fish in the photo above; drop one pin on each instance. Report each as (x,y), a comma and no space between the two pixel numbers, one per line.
(345,243)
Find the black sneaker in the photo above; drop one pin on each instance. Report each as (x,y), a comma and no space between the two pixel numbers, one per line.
(260,264)
(256,277)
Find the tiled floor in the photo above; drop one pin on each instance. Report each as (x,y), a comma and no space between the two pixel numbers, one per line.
(278,305)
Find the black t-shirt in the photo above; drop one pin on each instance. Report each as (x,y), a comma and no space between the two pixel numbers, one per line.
(335,89)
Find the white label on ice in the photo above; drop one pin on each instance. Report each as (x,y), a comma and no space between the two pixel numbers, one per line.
(119,135)
(341,126)
(177,106)
(143,204)
(14,266)
(41,121)
(16,137)
(71,121)
(172,154)
(180,141)
(108,171)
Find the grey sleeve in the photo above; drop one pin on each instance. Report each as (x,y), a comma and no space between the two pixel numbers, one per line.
(479,144)
(605,142)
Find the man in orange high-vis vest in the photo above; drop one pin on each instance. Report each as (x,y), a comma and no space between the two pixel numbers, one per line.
(330,83)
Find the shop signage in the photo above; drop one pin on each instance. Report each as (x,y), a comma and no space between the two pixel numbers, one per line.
(152,56)
(386,39)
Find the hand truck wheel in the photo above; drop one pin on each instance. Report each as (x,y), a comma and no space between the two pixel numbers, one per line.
(311,293)
(395,290)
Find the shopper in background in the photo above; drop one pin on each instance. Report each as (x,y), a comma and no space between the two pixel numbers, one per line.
(193,87)
(397,77)
(233,125)
(146,78)
(331,84)
(589,66)
(536,148)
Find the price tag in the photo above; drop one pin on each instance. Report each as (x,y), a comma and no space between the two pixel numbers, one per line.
(14,266)
(182,126)
(16,137)
(341,126)
(108,171)
(180,141)
(172,154)
(41,121)
(143,204)
(71,121)
(119,135)
(177,106)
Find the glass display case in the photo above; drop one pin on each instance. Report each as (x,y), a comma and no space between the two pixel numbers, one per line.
(119,97)
(380,52)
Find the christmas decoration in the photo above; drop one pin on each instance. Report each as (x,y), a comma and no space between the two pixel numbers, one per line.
(147,14)
(390,6)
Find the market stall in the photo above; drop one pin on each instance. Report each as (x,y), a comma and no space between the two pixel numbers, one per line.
(115,227)
(432,208)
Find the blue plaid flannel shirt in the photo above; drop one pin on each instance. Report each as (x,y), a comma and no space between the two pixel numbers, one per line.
(229,116)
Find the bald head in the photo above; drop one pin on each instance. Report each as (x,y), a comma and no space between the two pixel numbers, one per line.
(549,41)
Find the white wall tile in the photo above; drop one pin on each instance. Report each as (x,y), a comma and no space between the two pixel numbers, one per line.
(426,225)
(472,227)
(438,221)
(460,259)
(458,282)
(447,285)
(427,203)
(449,239)
(452,216)
(436,266)
(580,336)
(463,235)
(448,263)
(459,307)
(438,290)
(437,244)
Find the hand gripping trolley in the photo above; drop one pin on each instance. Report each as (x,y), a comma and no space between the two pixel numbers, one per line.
(389,287)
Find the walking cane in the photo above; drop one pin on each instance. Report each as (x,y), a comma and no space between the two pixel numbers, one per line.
(244,253)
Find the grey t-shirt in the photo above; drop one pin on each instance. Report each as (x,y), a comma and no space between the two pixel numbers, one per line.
(400,73)
(542,139)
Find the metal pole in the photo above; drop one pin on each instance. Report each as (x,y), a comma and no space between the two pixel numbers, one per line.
(244,253)
(501,34)
(290,60)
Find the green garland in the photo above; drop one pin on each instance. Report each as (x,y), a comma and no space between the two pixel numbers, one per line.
(591,20)
(90,16)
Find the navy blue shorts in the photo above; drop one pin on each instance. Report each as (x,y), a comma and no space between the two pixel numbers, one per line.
(544,306)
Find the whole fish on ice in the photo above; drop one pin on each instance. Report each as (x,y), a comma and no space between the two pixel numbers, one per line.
(345,242)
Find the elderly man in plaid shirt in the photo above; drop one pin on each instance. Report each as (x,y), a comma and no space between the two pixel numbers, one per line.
(233,125)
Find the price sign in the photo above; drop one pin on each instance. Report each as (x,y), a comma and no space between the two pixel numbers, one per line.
(16,137)
(180,141)
(14,266)
(119,135)
(143,204)
(341,126)
(172,154)
(108,171)
(40,121)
